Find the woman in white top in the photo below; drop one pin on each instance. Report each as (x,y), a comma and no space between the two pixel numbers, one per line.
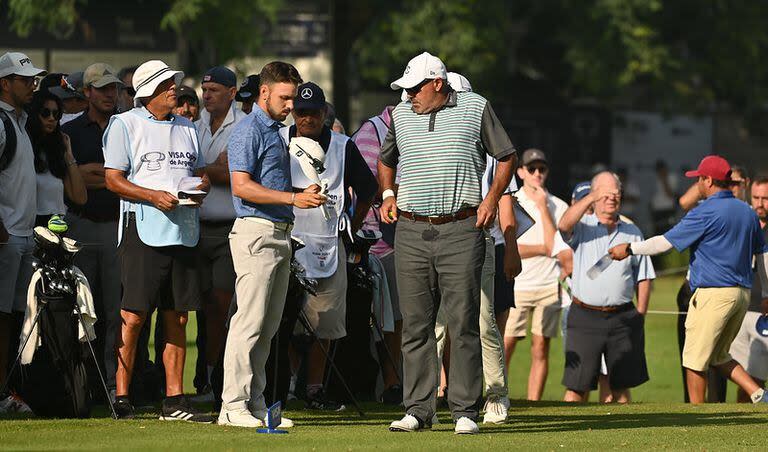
(57,174)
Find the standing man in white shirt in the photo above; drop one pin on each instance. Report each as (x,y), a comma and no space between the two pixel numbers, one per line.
(217,215)
(536,287)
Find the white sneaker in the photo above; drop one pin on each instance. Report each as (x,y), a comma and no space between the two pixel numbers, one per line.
(465,426)
(496,410)
(239,418)
(284,421)
(407,424)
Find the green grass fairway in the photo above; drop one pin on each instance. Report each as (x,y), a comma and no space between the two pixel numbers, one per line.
(657,420)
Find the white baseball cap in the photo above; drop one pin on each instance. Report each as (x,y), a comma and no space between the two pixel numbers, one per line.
(459,83)
(151,74)
(420,68)
(16,63)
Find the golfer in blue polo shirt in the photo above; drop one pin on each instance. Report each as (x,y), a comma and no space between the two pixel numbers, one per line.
(723,234)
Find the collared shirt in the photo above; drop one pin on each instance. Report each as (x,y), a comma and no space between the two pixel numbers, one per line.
(442,154)
(218,204)
(723,234)
(86,137)
(539,272)
(756,300)
(615,286)
(255,147)
(18,182)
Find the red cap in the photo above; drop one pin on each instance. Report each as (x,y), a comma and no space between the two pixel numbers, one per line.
(713,166)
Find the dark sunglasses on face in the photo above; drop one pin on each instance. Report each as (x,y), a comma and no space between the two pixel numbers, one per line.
(415,90)
(46,113)
(533,168)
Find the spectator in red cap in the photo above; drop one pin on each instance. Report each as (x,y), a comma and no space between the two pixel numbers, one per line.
(723,234)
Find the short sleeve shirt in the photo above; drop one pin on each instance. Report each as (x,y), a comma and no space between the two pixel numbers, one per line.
(615,286)
(255,147)
(723,233)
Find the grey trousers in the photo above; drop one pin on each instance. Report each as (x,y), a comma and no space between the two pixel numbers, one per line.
(99,262)
(261,254)
(445,259)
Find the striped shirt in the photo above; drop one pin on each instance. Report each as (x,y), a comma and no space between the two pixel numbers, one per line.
(442,154)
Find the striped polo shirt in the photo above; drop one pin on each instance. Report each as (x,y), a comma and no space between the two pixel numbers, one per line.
(442,154)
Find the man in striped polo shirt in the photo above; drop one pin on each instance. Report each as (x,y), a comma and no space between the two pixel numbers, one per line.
(440,140)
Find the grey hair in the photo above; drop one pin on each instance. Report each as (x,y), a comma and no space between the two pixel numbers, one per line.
(594,178)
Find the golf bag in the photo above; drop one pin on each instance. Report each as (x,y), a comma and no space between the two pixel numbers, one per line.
(55,382)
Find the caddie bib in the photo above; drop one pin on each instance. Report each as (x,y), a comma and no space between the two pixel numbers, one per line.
(161,154)
(320,256)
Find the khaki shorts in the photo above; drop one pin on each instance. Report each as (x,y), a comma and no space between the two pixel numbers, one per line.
(327,311)
(751,349)
(545,304)
(714,318)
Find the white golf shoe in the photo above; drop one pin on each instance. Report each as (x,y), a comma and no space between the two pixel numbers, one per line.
(239,418)
(496,409)
(407,424)
(465,426)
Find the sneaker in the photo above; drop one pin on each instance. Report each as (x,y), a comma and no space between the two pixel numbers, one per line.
(239,418)
(177,408)
(408,423)
(318,401)
(123,408)
(14,404)
(284,423)
(465,426)
(496,409)
(393,395)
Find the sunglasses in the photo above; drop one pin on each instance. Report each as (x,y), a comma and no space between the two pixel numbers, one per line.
(46,113)
(415,90)
(540,168)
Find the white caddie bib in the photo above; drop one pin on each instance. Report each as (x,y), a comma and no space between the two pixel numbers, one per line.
(320,256)
(161,154)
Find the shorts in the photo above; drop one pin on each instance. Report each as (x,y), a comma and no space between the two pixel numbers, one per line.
(714,319)
(327,311)
(15,273)
(545,304)
(388,262)
(215,257)
(163,277)
(503,290)
(620,336)
(751,349)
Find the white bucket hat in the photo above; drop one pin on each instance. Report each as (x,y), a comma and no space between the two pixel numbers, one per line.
(151,74)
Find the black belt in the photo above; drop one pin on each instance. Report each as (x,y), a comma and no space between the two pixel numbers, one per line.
(618,308)
(462,214)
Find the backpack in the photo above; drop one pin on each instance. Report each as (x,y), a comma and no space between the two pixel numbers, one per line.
(10,141)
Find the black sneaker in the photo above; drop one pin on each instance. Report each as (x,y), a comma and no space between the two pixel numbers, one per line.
(178,408)
(123,408)
(393,395)
(318,401)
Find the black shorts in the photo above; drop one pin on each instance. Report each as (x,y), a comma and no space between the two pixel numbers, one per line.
(503,290)
(618,335)
(163,278)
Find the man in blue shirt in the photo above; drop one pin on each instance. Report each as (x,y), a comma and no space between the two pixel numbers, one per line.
(260,241)
(723,234)
(602,318)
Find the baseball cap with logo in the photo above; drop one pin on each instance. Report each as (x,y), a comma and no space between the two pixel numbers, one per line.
(713,166)
(581,190)
(309,97)
(149,76)
(221,75)
(100,75)
(420,68)
(187,92)
(248,89)
(71,87)
(16,63)
(532,155)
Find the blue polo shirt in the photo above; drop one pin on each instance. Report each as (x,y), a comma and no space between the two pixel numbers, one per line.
(255,147)
(723,234)
(615,286)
